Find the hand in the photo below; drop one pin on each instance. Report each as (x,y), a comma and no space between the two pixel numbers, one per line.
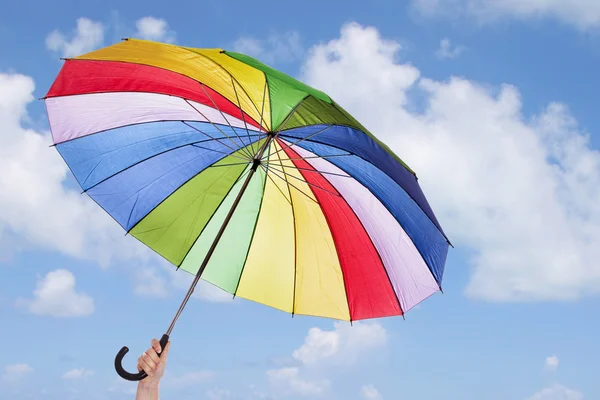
(152,364)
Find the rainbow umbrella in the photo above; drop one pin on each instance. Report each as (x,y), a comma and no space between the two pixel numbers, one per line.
(248,179)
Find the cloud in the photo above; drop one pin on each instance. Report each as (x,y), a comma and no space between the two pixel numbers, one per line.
(55,296)
(581,14)
(16,371)
(87,36)
(446,51)
(344,343)
(369,392)
(155,29)
(78,373)
(520,195)
(149,283)
(289,380)
(557,392)
(189,379)
(277,47)
(341,346)
(36,209)
(218,394)
(551,363)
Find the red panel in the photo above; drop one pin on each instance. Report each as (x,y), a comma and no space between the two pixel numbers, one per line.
(84,77)
(368,288)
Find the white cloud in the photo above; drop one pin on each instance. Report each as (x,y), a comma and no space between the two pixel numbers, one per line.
(149,283)
(55,296)
(289,380)
(557,392)
(36,210)
(582,14)
(78,373)
(343,344)
(218,394)
(16,371)
(369,392)
(323,349)
(189,379)
(522,195)
(551,363)
(446,51)
(277,47)
(156,29)
(87,36)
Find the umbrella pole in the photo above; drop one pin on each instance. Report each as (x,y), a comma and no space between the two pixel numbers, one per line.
(165,338)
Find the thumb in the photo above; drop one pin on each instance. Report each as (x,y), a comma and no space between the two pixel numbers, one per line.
(165,352)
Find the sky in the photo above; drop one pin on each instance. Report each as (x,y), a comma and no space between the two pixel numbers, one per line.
(493,104)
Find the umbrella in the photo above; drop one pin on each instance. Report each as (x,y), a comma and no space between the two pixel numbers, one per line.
(246,178)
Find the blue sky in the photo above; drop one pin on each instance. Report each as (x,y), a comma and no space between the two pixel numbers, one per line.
(501,128)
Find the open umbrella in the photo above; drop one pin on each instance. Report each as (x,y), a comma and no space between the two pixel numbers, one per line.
(248,179)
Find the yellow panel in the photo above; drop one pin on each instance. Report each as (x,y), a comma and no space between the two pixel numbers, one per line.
(319,281)
(185,62)
(268,275)
(253,81)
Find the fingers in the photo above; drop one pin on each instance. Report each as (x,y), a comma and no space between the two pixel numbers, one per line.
(150,360)
(146,364)
(151,355)
(165,353)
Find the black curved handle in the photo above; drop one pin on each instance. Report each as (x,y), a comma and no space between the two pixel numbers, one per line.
(139,375)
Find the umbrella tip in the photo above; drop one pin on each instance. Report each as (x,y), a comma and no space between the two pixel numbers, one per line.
(441,290)
(125,38)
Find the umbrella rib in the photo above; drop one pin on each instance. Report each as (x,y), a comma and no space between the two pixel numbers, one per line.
(236,149)
(193,144)
(292,185)
(311,157)
(266,169)
(240,107)
(295,238)
(223,114)
(316,170)
(216,126)
(308,183)
(228,73)
(287,146)
(262,111)
(230,165)
(222,152)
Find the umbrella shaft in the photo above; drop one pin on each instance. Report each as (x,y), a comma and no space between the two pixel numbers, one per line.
(255,165)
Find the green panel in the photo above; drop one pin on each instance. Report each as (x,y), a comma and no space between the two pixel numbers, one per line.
(172,228)
(225,266)
(313,111)
(287,97)
(284,96)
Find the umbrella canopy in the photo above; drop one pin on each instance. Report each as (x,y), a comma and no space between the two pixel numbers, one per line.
(247,178)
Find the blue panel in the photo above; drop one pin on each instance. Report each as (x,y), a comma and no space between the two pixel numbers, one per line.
(357,142)
(130,195)
(427,238)
(96,157)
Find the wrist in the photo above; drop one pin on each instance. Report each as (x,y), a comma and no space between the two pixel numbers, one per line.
(149,384)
